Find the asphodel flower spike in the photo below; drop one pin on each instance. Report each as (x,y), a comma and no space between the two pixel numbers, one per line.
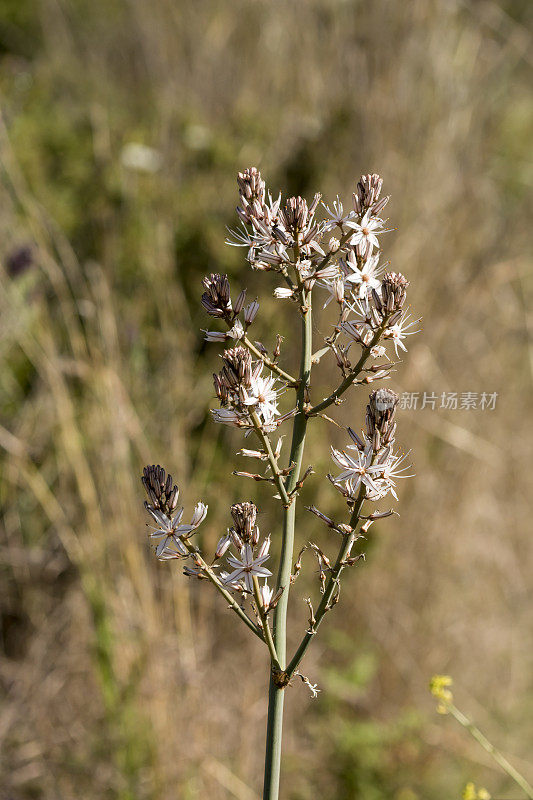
(311,248)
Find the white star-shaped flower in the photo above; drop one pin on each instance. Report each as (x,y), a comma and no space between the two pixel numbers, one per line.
(392,469)
(336,212)
(171,532)
(366,232)
(357,470)
(247,566)
(365,278)
(400,330)
(263,395)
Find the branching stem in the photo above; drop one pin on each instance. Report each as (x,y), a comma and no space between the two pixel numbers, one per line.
(352,375)
(212,576)
(331,586)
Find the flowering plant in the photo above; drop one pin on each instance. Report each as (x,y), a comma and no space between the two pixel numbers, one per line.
(290,241)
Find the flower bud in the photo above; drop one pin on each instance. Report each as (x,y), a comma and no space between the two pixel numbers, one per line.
(237,370)
(251,185)
(393,292)
(282,293)
(239,303)
(223,544)
(250,312)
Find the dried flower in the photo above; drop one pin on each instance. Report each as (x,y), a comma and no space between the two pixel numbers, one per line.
(230,417)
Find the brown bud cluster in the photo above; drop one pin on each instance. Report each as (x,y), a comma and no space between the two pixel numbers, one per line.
(392,294)
(161,491)
(235,378)
(244,518)
(367,196)
(216,299)
(294,215)
(251,193)
(237,369)
(296,219)
(380,411)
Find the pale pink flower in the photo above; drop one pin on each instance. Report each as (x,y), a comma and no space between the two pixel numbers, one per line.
(247,566)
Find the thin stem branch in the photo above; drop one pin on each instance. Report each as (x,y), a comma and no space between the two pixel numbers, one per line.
(331,586)
(224,592)
(293,382)
(265,441)
(498,757)
(331,253)
(352,375)
(264,624)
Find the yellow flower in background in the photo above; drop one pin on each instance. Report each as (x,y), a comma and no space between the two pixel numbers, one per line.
(470,793)
(439,687)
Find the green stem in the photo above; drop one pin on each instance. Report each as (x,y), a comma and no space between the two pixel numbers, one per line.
(331,586)
(276,697)
(498,757)
(277,690)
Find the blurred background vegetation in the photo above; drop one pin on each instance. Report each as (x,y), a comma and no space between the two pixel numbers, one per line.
(123,125)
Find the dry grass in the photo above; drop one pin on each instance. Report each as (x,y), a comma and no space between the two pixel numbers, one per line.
(120,679)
